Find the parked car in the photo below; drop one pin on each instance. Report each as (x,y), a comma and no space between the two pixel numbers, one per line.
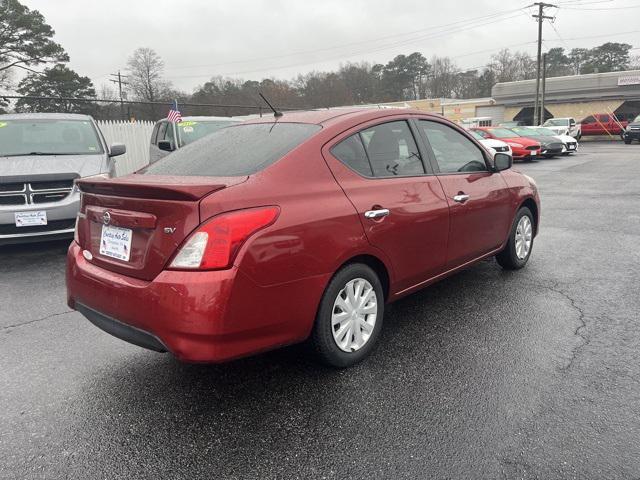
(493,145)
(549,143)
(522,148)
(564,126)
(570,144)
(167,136)
(603,124)
(275,231)
(632,132)
(41,155)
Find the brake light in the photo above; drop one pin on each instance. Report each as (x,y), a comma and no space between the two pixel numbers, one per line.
(215,243)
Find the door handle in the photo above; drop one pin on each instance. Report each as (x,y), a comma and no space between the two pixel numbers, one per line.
(382,212)
(461,198)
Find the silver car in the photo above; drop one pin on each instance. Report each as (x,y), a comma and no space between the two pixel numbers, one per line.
(41,155)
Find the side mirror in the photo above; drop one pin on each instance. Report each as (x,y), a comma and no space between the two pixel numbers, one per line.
(166,145)
(117,149)
(572,123)
(502,161)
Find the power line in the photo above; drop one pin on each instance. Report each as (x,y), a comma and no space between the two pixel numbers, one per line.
(421,32)
(365,51)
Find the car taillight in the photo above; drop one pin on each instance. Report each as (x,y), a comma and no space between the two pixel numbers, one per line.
(215,243)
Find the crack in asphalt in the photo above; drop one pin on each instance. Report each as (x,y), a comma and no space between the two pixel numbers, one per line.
(28,322)
(578,332)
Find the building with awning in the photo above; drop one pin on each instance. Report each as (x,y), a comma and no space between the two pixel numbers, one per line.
(576,96)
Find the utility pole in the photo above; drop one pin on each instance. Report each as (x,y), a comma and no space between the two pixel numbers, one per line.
(544,87)
(541,18)
(120,82)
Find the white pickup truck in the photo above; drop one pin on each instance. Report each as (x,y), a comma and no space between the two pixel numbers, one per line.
(564,126)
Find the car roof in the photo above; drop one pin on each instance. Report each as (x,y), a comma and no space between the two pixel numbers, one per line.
(202,118)
(337,115)
(45,116)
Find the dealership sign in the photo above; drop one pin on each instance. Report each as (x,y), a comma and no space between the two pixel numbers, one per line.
(629,80)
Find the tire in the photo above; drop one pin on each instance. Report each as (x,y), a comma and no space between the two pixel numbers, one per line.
(325,330)
(627,141)
(508,258)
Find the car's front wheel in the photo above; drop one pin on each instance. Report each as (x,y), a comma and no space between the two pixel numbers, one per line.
(517,251)
(349,319)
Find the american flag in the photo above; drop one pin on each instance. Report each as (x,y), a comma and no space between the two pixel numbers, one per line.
(174,114)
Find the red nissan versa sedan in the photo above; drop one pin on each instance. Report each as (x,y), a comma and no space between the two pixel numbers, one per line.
(284,229)
(523,148)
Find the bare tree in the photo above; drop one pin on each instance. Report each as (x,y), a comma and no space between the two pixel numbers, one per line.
(145,70)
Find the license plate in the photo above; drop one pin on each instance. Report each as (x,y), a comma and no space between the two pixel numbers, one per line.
(115,242)
(30,219)
(571,147)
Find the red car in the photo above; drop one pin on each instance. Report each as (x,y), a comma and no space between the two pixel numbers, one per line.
(286,229)
(603,124)
(523,148)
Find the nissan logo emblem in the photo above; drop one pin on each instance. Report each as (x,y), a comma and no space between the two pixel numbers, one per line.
(106,218)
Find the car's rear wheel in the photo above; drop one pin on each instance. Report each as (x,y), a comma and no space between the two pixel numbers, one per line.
(349,319)
(517,251)
(627,141)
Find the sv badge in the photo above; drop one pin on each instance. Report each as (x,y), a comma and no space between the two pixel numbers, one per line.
(169,230)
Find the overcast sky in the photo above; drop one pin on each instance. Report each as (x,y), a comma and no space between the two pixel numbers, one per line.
(281,38)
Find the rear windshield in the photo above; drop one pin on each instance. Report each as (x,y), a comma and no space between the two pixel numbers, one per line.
(190,130)
(234,151)
(503,133)
(48,137)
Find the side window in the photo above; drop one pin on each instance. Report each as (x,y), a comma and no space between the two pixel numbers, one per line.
(392,150)
(161,132)
(351,152)
(604,118)
(453,151)
(169,134)
(154,134)
(589,119)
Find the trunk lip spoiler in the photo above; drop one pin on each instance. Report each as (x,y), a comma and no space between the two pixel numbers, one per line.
(158,187)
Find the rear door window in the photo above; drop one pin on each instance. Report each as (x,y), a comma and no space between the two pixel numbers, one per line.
(234,151)
(351,152)
(392,150)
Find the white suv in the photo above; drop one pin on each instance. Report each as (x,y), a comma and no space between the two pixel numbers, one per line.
(564,126)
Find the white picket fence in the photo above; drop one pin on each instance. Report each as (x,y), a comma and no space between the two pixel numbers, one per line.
(135,136)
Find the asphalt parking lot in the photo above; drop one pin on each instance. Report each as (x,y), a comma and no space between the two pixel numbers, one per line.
(488,374)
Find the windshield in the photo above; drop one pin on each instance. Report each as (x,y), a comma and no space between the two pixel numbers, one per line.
(235,151)
(191,130)
(502,133)
(48,137)
(556,122)
(546,132)
(528,132)
(476,135)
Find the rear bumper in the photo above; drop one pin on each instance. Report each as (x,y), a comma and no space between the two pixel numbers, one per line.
(211,316)
(121,330)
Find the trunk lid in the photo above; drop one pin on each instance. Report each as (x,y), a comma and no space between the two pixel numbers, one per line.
(157,213)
